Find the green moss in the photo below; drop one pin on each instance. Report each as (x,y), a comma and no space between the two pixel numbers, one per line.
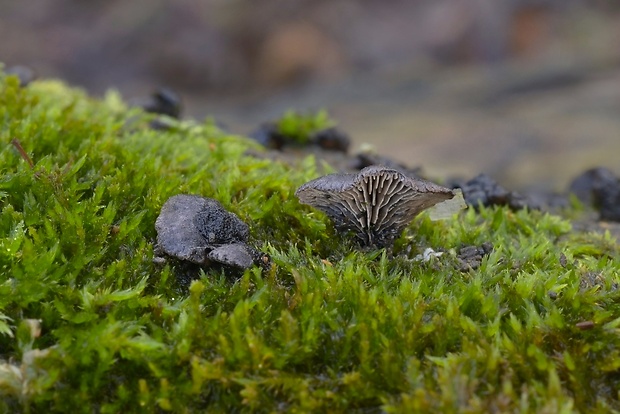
(299,127)
(89,323)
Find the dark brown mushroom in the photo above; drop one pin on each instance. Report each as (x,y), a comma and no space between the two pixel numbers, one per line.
(377,203)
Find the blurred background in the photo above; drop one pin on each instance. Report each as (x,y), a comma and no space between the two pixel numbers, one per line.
(525,90)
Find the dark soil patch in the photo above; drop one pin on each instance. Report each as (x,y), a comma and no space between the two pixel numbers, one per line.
(470,257)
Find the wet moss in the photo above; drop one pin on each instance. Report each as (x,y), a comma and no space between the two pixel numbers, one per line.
(89,323)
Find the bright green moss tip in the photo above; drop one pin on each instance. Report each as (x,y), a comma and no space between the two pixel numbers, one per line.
(89,324)
(299,127)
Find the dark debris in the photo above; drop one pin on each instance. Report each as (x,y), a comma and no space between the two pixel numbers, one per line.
(585,325)
(199,231)
(269,136)
(590,280)
(486,191)
(588,185)
(470,257)
(23,73)
(563,261)
(599,188)
(237,255)
(331,139)
(164,101)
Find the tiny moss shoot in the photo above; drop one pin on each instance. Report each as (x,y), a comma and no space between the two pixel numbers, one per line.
(299,127)
(88,323)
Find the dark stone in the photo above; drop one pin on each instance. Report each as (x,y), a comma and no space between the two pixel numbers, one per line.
(164,102)
(268,136)
(487,247)
(610,203)
(548,201)
(332,139)
(588,186)
(600,188)
(23,73)
(483,190)
(236,255)
(189,226)
(219,226)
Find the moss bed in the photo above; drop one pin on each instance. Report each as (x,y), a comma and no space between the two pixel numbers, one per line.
(88,323)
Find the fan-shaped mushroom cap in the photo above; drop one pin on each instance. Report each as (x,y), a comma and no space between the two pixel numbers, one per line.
(377,203)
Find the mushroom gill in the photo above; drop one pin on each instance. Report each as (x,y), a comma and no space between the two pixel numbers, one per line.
(377,203)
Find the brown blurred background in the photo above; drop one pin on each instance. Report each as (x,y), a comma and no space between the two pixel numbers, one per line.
(526,90)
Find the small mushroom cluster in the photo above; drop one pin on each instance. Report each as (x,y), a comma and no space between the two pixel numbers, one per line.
(376,204)
(199,230)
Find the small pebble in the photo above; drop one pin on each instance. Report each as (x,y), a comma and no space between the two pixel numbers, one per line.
(235,255)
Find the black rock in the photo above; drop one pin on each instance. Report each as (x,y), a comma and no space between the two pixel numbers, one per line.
(609,207)
(588,186)
(599,188)
(23,73)
(332,139)
(269,136)
(190,226)
(486,191)
(219,226)
(547,201)
(163,101)
(237,255)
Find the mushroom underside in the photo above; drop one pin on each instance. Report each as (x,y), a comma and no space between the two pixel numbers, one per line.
(376,204)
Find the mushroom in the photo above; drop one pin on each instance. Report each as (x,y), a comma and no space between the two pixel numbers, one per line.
(377,203)
(199,230)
